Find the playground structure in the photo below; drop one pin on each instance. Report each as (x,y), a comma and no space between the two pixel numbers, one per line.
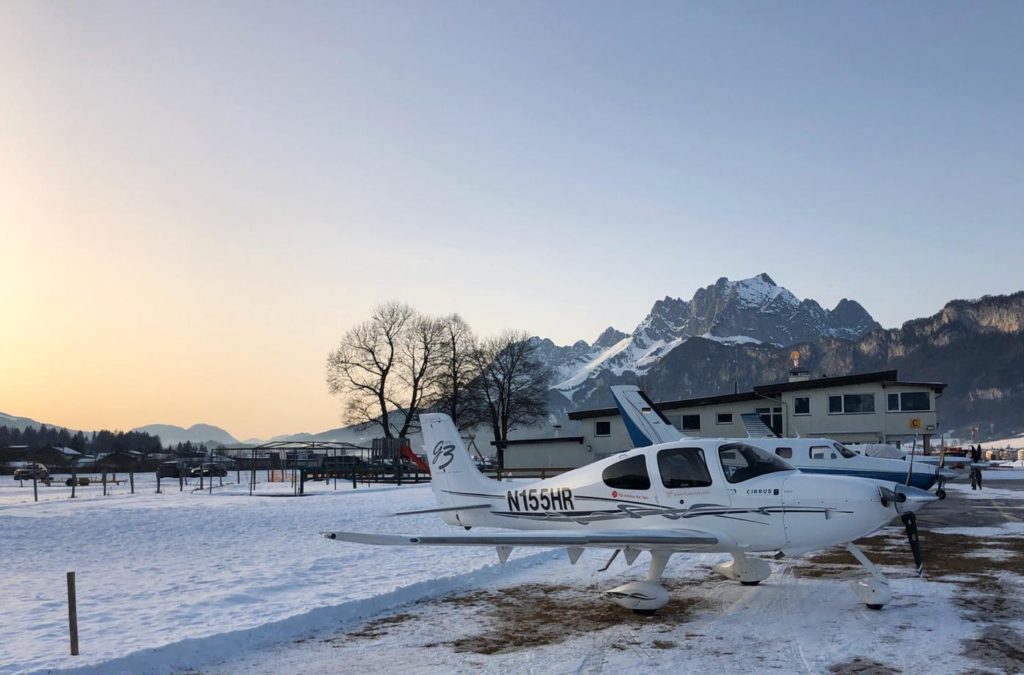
(386,461)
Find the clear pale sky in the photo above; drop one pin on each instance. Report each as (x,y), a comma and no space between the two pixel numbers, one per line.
(197,199)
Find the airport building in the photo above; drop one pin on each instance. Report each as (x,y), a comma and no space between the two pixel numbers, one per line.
(873,407)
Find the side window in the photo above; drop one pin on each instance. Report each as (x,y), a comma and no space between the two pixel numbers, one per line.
(602,428)
(835,404)
(629,474)
(723,418)
(742,462)
(802,405)
(691,423)
(683,468)
(784,453)
(822,452)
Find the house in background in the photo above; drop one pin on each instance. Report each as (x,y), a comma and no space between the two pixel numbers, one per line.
(874,407)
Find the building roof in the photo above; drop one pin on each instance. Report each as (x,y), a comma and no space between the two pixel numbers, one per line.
(532,441)
(760,392)
(882,377)
(671,405)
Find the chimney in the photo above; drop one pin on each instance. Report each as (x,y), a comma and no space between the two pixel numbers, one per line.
(799,375)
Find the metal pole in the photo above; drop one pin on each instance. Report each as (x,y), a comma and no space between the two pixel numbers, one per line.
(35,486)
(72,614)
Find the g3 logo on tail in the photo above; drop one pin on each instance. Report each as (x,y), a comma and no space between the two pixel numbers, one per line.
(446,451)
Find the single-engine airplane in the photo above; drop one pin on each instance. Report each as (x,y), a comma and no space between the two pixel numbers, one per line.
(647,425)
(706,495)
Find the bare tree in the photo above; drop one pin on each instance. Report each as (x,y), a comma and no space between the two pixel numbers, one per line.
(458,392)
(513,385)
(421,348)
(383,366)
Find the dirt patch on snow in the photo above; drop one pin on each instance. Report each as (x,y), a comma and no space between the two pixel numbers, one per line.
(985,569)
(534,615)
(859,666)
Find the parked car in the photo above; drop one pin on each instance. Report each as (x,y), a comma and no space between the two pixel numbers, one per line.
(30,471)
(209,469)
(167,470)
(346,463)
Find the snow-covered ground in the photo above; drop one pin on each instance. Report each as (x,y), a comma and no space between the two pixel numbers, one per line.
(232,583)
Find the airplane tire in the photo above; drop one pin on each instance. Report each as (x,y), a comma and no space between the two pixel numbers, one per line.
(940,493)
(875,607)
(750,583)
(645,612)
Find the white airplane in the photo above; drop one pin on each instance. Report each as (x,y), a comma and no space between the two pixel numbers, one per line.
(707,495)
(647,425)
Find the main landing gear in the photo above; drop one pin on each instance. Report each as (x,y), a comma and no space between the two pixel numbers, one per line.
(747,571)
(643,597)
(648,596)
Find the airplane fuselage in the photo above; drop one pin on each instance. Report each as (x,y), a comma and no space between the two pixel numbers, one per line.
(691,483)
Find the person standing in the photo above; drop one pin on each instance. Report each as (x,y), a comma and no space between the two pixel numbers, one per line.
(975,468)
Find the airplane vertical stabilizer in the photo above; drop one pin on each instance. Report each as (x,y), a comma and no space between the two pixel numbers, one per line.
(644,422)
(454,477)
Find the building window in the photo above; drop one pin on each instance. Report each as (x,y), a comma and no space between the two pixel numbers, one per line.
(784,453)
(909,401)
(691,423)
(801,405)
(851,404)
(683,468)
(629,474)
(723,418)
(602,428)
(676,421)
(772,418)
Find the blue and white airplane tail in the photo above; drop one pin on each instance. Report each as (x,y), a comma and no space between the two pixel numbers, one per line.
(644,422)
(454,478)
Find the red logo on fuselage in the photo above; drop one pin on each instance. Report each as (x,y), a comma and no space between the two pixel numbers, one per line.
(615,493)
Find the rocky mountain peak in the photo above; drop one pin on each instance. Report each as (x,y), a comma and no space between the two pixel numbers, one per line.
(745,311)
(609,336)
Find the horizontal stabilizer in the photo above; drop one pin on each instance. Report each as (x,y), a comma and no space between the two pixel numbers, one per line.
(641,538)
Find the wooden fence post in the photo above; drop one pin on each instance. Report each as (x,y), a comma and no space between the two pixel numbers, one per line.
(72,614)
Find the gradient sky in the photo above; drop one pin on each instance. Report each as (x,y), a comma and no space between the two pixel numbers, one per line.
(197,199)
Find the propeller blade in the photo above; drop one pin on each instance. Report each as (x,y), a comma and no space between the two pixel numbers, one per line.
(910,522)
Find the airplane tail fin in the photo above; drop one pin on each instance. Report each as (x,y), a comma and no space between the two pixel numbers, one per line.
(454,477)
(644,422)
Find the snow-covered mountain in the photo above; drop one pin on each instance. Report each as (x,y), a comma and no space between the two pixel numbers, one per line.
(171,434)
(13,422)
(749,311)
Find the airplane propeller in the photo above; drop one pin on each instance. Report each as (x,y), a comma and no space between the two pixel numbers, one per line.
(910,523)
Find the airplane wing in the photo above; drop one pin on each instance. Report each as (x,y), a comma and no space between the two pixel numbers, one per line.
(644,422)
(676,539)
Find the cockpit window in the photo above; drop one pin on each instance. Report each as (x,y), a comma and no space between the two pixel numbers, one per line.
(683,468)
(844,451)
(742,462)
(629,474)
